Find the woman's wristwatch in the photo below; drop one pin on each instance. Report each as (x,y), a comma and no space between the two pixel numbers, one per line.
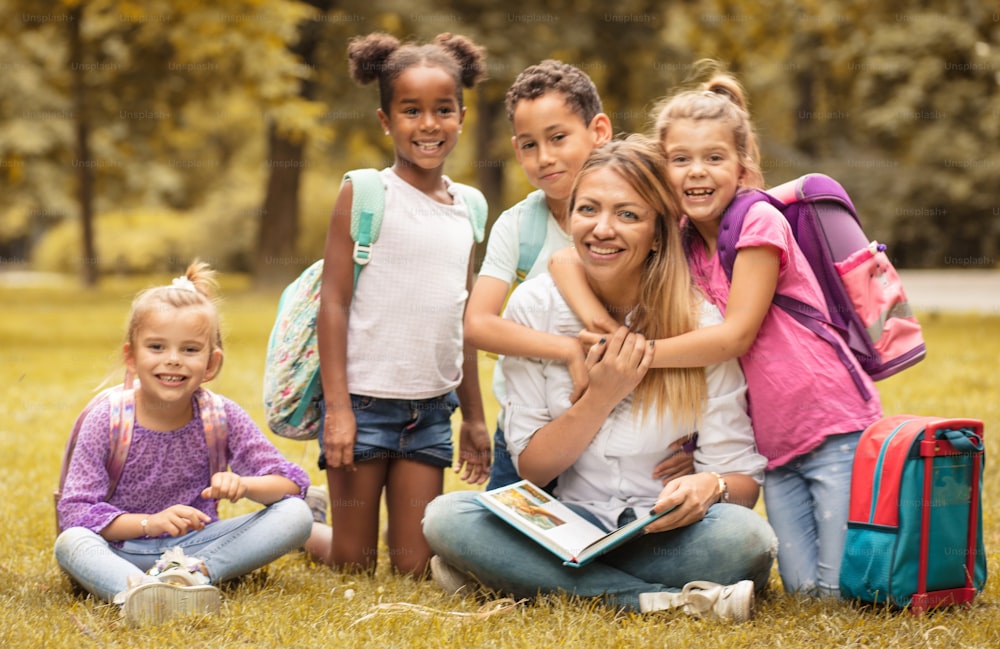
(723,488)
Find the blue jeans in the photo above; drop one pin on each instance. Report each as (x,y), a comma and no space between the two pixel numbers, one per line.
(807,502)
(730,544)
(502,471)
(401,429)
(230,548)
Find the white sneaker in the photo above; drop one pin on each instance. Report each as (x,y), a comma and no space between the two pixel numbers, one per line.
(705,599)
(451,580)
(157,602)
(175,567)
(318,499)
(182,576)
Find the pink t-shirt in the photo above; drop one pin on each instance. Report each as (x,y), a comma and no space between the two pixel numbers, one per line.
(799,391)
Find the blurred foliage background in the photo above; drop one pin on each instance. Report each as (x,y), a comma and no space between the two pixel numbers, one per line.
(135,135)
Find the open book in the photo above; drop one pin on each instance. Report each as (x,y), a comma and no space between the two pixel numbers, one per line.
(555,526)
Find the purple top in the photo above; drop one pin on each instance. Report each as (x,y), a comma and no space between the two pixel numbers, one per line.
(162,469)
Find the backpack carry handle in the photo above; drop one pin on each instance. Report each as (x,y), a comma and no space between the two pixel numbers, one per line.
(963,439)
(964,435)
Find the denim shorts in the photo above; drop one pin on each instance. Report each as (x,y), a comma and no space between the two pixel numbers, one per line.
(407,429)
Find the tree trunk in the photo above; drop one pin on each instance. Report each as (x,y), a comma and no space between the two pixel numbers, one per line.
(84,171)
(489,170)
(277,260)
(805,124)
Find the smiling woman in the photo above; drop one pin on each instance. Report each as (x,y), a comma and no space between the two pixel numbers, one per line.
(613,230)
(605,446)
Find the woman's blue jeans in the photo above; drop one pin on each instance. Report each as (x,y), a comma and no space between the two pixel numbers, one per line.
(807,502)
(230,548)
(730,544)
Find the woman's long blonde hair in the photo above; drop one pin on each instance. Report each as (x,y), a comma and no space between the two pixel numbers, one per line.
(668,303)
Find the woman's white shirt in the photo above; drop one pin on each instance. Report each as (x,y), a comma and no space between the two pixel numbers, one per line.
(615,471)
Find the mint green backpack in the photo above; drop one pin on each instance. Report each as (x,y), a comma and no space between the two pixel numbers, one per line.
(293,392)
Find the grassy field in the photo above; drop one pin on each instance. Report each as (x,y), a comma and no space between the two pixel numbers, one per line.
(57,343)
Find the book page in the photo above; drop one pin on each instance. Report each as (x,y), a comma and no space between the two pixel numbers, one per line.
(622,534)
(541,516)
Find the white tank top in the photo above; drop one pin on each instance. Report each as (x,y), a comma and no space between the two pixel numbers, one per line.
(404,334)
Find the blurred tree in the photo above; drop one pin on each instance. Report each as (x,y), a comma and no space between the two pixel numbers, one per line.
(900,101)
(924,100)
(156,93)
(84,175)
(276,260)
(36,126)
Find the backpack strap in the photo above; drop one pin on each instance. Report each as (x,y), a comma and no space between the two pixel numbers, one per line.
(368,206)
(366,214)
(122,404)
(216,426)
(213,420)
(813,320)
(99,399)
(475,202)
(731,225)
(531,233)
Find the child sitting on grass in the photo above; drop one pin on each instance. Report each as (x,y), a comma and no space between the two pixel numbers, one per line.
(154,542)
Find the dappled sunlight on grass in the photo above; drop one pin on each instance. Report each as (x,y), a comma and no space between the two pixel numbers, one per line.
(59,343)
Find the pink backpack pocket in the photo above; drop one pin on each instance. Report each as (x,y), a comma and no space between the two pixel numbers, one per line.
(876,292)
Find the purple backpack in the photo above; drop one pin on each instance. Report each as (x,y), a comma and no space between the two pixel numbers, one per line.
(864,295)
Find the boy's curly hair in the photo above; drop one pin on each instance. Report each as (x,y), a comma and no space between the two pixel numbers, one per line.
(555,76)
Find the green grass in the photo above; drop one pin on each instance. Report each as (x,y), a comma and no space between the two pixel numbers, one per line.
(57,343)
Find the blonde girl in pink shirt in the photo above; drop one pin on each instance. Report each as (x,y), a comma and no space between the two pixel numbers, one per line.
(806,410)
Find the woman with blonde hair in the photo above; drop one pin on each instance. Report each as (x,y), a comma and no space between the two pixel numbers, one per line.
(710,553)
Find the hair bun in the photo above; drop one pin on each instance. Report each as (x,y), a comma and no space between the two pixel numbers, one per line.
(729,88)
(471,57)
(367,55)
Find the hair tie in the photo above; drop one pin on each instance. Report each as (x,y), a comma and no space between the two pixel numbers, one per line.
(183,283)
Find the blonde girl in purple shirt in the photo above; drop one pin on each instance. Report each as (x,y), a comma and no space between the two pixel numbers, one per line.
(807,413)
(156,544)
